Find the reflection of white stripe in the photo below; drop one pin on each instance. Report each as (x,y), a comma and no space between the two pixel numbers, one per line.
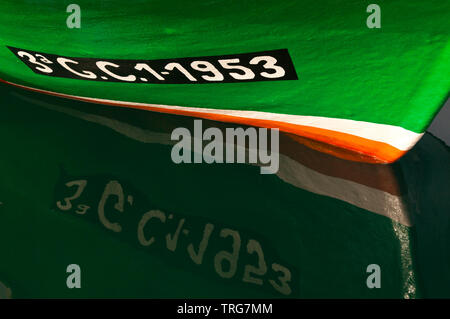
(365,197)
(133,132)
(396,136)
(5,292)
(290,171)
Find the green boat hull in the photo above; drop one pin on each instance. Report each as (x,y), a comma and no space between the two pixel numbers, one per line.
(372,91)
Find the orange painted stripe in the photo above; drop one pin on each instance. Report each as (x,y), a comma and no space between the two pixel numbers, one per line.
(379,152)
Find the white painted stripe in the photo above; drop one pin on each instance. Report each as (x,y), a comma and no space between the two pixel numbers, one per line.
(395,136)
(290,171)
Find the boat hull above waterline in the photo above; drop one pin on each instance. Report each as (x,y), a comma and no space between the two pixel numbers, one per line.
(318,70)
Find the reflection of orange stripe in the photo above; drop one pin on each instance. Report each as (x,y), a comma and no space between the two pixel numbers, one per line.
(372,151)
(380,176)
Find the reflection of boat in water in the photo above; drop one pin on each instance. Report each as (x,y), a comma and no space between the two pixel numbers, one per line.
(92,185)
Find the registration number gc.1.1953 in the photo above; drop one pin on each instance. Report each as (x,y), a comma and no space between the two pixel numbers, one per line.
(272,65)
